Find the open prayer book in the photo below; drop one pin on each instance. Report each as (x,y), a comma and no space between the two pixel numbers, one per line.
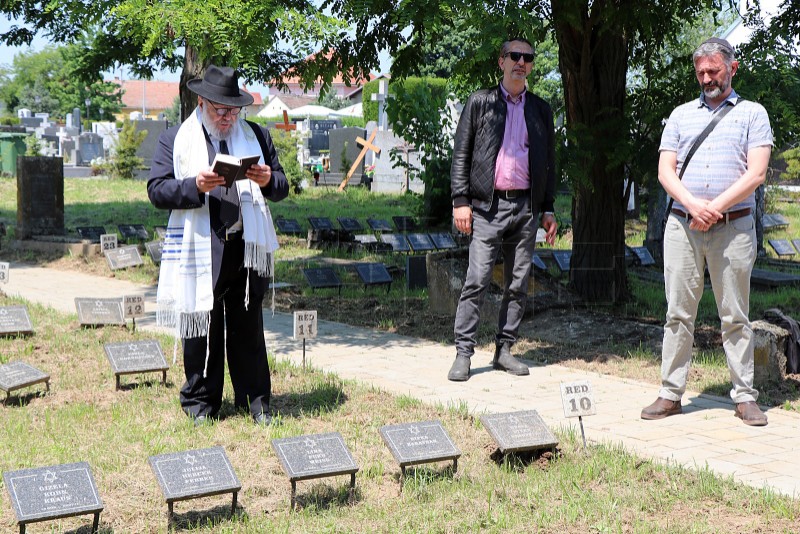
(232,168)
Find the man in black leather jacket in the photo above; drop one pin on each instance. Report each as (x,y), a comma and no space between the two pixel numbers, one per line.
(502,178)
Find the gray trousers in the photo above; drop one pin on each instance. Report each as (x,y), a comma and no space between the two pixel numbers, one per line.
(510,225)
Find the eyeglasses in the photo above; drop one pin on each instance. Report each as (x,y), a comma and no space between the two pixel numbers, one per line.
(516,55)
(221,112)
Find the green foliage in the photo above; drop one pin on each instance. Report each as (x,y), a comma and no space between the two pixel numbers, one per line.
(369,107)
(286,146)
(331,100)
(124,161)
(173,114)
(33,145)
(345,163)
(792,159)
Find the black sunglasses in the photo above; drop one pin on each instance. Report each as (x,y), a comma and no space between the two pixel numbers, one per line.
(516,55)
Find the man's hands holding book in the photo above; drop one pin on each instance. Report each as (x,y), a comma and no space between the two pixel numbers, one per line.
(209,179)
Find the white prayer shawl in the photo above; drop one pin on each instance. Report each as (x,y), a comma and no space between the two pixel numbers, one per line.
(185,288)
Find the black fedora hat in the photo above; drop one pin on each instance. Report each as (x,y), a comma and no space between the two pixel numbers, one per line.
(220,85)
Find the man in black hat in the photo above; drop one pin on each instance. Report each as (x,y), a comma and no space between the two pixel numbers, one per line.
(711,226)
(218,250)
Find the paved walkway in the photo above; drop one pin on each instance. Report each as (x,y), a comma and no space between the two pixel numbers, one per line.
(707,433)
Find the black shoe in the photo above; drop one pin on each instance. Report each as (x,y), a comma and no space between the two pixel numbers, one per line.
(504,361)
(459,372)
(262,419)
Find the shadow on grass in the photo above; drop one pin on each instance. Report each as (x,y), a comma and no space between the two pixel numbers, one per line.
(418,476)
(773,394)
(319,398)
(212,517)
(148,383)
(517,462)
(22,400)
(324,496)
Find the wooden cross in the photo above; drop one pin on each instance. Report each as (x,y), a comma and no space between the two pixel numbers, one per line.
(367,145)
(286,126)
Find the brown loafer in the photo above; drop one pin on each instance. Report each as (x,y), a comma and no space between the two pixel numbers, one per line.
(750,414)
(662,408)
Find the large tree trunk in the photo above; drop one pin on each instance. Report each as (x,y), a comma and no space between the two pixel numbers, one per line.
(193,67)
(593,62)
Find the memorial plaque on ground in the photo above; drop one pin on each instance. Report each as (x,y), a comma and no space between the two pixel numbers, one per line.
(18,374)
(289,226)
(417,443)
(577,398)
(15,320)
(379,225)
(161,231)
(404,223)
(398,242)
(53,492)
(91,233)
(774,220)
(322,277)
(538,262)
(782,247)
(97,311)
(420,242)
(320,223)
(314,456)
(123,257)
(155,249)
(443,241)
(196,473)
(373,274)
(519,431)
(644,256)
(133,231)
(365,238)
(350,224)
(562,258)
(796,243)
(136,357)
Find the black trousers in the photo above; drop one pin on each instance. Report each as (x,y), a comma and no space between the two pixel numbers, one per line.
(244,345)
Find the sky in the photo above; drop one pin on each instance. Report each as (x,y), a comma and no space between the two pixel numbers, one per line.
(7,54)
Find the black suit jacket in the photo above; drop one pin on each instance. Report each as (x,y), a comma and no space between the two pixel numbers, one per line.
(166,192)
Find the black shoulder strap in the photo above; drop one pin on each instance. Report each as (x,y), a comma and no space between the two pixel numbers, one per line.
(702,137)
(261,140)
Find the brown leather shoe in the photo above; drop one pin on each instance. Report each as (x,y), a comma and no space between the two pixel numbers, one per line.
(750,414)
(662,408)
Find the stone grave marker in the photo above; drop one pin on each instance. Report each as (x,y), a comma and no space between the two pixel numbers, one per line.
(519,431)
(155,249)
(643,256)
(90,146)
(148,147)
(91,233)
(419,443)
(108,242)
(320,140)
(123,257)
(99,311)
(320,223)
(404,223)
(322,277)
(373,274)
(315,456)
(161,231)
(782,247)
(772,221)
(562,258)
(796,243)
(420,242)
(398,241)
(538,262)
(40,197)
(336,141)
(17,375)
(136,232)
(443,240)
(366,238)
(193,474)
(53,492)
(379,225)
(350,224)
(289,226)
(136,357)
(416,272)
(15,320)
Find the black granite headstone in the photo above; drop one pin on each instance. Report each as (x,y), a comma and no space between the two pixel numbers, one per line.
(379,225)
(40,196)
(15,320)
(404,223)
(136,232)
(136,357)
(322,277)
(320,223)
(644,256)
(91,233)
(123,257)
(398,241)
(538,262)
(192,474)
(373,274)
(315,456)
(416,272)
(289,226)
(443,241)
(420,242)
(562,258)
(18,375)
(419,443)
(350,224)
(97,311)
(53,492)
(155,249)
(519,431)
(782,247)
